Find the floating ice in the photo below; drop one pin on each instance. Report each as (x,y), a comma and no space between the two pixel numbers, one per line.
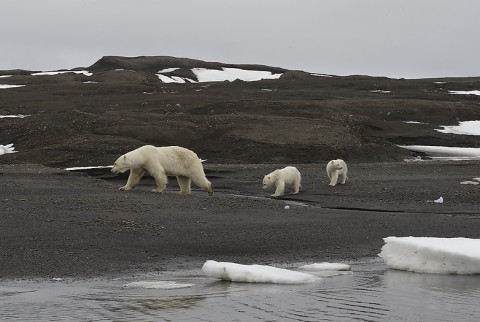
(465,92)
(432,255)
(163,285)
(463,128)
(255,273)
(326,267)
(9,148)
(381,91)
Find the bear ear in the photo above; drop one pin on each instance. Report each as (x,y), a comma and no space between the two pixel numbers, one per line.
(124,157)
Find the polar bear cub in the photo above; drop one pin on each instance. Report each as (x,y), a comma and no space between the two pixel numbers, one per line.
(337,172)
(282,178)
(161,162)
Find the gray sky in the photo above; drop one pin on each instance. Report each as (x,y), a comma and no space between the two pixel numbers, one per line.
(395,38)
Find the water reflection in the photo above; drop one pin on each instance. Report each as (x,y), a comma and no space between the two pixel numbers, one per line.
(370,293)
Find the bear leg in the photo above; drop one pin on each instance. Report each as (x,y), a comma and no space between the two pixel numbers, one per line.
(161,180)
(185,185)
(296,187)
(334,178)
(133,178)
(343,179)
(201,181)
(280,189)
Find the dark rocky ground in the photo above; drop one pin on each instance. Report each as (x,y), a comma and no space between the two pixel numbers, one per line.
(57,223)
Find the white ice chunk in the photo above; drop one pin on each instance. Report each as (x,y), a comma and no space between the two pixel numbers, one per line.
(470,182)
(432,255)
(255,273)
(9,148)
(439,200)
(163,285)
(326,267)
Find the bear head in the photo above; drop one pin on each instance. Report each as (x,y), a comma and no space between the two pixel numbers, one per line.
(268,180)
(337,164)
(121,165)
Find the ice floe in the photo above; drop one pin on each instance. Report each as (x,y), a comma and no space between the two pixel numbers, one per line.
(51,73)
(9,148)
(326,267)
(463,128)
(443,152)
(255,273)
(163,285)
(464,92)
(5,86)
(432,255)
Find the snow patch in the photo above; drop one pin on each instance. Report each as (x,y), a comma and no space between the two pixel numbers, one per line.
(162,285)
(255,273)
(232,74)
(18,116)
(463,128)
(442,152)
(432,255)
(51,73)
(5,76)
(464,92)
(5,86)
(88,168)
(168,70)
(381,91)
(413,122)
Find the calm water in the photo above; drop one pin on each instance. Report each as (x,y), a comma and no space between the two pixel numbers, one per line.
(371,293)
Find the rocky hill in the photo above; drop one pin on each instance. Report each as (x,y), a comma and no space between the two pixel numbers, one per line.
(91,115)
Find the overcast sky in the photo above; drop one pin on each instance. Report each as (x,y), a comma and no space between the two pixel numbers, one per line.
(394,38)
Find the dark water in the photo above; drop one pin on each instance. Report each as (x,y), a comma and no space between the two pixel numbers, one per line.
(370,293)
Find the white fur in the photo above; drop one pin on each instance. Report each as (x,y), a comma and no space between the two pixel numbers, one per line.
(282,178)
(337,172)
(161,162)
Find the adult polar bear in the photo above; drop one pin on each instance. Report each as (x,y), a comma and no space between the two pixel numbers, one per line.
(160,162)
(286,177)
(337,172)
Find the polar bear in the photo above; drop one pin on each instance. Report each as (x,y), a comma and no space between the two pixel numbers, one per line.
(161,162)
(286,177)
(337,172)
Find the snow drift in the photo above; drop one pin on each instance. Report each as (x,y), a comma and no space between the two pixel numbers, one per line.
(432,255)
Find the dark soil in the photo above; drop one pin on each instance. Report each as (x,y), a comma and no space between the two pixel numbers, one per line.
(57,223)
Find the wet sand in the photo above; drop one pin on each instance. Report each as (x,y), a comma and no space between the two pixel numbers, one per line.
(56,223)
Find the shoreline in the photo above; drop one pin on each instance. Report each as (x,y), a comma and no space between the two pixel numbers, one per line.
(57,223)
